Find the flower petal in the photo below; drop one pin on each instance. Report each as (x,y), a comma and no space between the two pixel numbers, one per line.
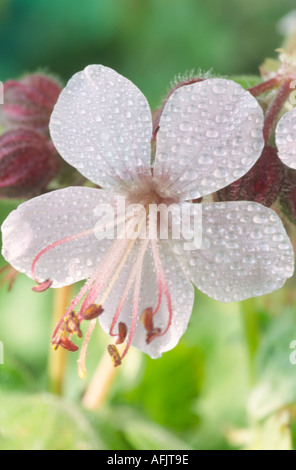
(285,137)
(245,252)
(102,125)
(182,297)
(210,135)
(42,221)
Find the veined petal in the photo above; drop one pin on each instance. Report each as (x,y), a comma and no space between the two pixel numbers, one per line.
(210,135)
(285,138)
(102,125)
(66,216)
(245,252)
(181,294)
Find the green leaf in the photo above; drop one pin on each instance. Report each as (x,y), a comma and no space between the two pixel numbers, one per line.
(246,81)
(15,376)
(45,422)
(170,386)
(142,434)
(276,387)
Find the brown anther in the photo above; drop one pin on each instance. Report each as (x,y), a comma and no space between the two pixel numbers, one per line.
(152,334)
(66,343)
(147,318)
(92,312)
(60,339)
(115,356)
(9,276)
(43,286)
(122,328)
(72,324)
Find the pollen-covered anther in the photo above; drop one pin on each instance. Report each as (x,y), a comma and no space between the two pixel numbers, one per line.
(122,328)
(92,312)
(147,320)
(72,324)
(43,286)
(114,353)
(65,343)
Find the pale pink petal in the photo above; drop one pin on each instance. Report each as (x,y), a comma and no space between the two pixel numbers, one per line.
(285,138)
(245,252)
(102,125)
(182,297)
(67,216)
(210,135)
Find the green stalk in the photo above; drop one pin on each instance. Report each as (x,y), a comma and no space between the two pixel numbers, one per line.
(252,334)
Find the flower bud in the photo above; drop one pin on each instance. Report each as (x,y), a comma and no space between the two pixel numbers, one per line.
(288,196)
(29,102)
(28,162)
(261,184)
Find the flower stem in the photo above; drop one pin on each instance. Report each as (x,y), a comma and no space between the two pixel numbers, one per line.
(100,384)
(263,87)
(275,108)
(57,358)
(251,328)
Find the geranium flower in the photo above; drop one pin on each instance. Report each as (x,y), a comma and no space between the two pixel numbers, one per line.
(210,134)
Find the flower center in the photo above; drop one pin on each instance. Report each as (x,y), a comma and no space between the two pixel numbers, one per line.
(99,287)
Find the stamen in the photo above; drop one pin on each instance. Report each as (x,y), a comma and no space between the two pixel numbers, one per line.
(92,312)
(106,272)
(55,244)
(82,358)
(122,328)
(163,286)
(147,320)
(9,277)
(115,356)
(72,324)
(104,277)
(152,334)
(139,265)
(42,286)
(65,342)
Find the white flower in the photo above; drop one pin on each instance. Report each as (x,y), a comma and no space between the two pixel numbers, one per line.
(285,138)
(210,134)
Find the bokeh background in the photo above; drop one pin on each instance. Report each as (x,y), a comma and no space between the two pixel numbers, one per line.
(229,384)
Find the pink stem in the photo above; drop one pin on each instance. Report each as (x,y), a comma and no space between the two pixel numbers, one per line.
(129,284)
(263,87)
(54,245)
(275,108)
(159,266)
(136,297)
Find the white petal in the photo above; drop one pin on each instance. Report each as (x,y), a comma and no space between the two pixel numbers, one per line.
(102,125)
(182,296)
(285,137)
(46,219)
(210,135)
(245,252)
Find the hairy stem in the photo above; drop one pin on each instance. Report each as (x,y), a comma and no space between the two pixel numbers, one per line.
(275,108)
(57,359)
(101,383)
(263,87)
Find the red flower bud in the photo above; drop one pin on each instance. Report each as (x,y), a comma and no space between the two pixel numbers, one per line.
(29,102)
(28,162)
(288,196)
(262,183)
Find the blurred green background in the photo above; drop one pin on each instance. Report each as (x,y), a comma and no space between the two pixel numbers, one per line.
(229,383)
